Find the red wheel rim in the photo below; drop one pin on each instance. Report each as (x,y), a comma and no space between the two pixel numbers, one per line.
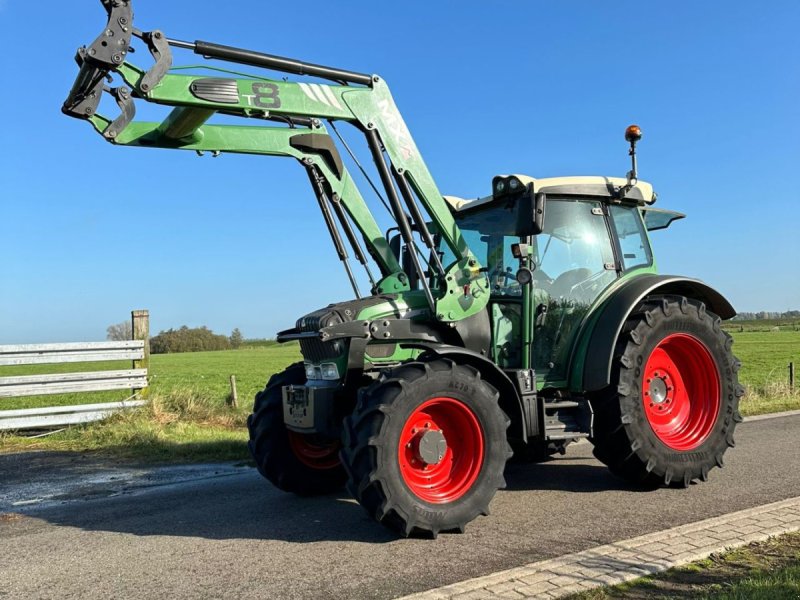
(458,467)
(681,391)
(313,453)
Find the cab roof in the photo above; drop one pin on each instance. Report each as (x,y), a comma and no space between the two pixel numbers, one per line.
(608,187)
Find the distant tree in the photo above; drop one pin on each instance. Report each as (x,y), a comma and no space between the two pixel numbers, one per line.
(184,339)
(236,338)
(120,331)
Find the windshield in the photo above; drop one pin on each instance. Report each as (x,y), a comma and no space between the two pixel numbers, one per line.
(489,233)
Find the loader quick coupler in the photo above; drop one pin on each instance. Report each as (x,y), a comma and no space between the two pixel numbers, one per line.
(108,53)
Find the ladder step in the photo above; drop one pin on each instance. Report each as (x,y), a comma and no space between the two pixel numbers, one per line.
(565,435)
(561,404)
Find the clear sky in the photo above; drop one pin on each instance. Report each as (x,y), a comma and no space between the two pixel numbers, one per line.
(89,232)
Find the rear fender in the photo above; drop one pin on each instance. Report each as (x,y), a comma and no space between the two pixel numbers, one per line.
(598,339)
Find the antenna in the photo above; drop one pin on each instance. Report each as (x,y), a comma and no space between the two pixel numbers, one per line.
(633,133)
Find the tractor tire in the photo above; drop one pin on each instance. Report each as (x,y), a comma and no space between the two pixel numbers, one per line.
(426,447)
(294,462)
(669,414)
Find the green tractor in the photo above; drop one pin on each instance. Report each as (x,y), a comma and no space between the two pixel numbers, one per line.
(526,319)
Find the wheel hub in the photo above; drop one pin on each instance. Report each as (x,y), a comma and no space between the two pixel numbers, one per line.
(431,446)
(659,388)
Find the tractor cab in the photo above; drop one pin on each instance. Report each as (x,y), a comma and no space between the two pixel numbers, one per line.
(593,235)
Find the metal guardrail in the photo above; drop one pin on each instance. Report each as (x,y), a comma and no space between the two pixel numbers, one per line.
(59,416)
(37,354)
(68,383)
(65,383)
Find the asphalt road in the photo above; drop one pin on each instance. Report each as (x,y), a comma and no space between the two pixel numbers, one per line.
(234,536)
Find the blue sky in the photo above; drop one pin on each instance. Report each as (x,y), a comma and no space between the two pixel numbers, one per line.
(89,232)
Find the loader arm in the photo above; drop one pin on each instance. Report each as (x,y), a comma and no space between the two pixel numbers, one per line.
(361,100)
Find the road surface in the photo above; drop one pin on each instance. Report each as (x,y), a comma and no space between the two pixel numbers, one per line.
(231,535)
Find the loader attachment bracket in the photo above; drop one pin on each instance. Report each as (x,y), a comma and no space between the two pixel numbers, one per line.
(84,97)
(107,53)
(111,46)
(127,112)
(159,48)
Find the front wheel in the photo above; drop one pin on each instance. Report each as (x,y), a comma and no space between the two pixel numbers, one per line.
(426,447)
(305,464)
(670,412)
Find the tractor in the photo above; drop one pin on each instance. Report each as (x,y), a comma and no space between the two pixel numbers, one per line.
(514,323)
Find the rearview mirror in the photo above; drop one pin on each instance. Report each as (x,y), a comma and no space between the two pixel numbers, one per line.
(530,220)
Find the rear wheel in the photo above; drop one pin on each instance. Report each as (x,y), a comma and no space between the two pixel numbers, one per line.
(294,462)
(426,447)
(671,410)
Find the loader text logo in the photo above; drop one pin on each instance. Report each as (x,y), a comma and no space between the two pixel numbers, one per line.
(265,95)
(398,128)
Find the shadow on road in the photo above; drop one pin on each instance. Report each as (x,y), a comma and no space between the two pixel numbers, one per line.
(244,506)
(565,476)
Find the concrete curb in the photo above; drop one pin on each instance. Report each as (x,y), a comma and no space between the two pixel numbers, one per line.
(622,561)
(777,415)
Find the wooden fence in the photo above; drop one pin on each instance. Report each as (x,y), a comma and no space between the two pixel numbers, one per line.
(136,350)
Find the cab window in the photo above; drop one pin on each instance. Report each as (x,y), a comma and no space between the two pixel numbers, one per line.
(573,253)
(634,246)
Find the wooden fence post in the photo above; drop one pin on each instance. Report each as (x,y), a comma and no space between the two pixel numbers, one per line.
(791,375)
(140,321)
(234,397)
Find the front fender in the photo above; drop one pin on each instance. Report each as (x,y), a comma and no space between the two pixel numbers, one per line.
(509,401)
(591,364)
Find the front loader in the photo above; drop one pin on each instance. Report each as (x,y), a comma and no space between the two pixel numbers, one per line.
(523,320)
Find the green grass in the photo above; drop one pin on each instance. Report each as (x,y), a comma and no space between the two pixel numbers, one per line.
(763,571)
(765,357)
(208,373)
(179,425)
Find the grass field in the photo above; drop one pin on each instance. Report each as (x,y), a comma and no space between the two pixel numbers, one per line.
(188,417)
(765,358)
(206,373)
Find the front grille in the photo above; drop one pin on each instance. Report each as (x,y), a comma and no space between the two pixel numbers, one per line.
(315,350)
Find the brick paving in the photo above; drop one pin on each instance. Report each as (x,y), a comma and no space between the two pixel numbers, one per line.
(628,559)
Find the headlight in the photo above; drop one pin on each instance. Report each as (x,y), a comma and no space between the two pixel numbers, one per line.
(312,372)
(329,371)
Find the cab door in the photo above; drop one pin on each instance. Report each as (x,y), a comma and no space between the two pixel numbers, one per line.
(574,262)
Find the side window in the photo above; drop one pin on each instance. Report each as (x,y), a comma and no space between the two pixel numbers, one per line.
(632,238)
